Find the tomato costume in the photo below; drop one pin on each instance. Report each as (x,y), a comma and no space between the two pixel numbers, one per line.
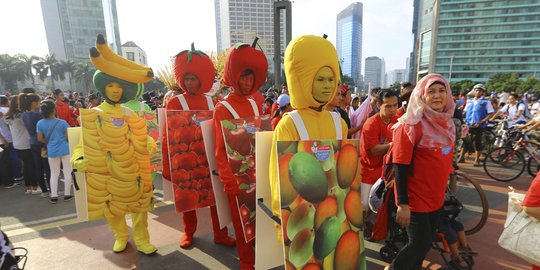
(300,69)
(198,64)
(241,57)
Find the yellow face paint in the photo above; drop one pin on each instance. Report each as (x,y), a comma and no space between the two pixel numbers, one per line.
(323,85)
(114,91)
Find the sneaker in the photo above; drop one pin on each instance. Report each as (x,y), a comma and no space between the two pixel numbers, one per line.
(53,200)
(28,192)
(45,194)
(11,185)
(36,191)
(18,179)
(68,198)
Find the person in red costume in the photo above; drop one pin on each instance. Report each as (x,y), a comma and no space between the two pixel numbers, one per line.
(194,73)
(245,72)
(62,108)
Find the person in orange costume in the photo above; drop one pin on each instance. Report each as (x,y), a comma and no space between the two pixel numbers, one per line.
(245,72)
(194,73)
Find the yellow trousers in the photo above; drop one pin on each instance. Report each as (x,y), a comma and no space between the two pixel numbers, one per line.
(140,228)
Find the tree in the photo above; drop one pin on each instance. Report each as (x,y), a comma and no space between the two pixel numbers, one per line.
(50,63)
(348,80)
(68,67)
(84,72)
(11,71)
(503,81)
(531,84)
(27,63)
(219,62)
(461,86)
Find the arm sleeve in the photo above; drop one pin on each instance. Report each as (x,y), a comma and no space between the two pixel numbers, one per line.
(370,135)
(402,186)
(222,163)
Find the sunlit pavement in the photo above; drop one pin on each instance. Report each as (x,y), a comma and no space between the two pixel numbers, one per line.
(56,240)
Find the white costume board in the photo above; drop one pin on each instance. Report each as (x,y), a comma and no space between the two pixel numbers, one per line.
(222,202)
(268,251)
(168,194)
(74,136)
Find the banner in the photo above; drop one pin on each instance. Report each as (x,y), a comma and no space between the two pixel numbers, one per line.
(239,137)
(190,174)
(321,205)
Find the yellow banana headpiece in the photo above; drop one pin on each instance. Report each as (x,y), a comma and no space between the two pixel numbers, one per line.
(304,57)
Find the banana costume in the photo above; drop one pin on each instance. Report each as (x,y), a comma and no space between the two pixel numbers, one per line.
(115,150)
(301,68)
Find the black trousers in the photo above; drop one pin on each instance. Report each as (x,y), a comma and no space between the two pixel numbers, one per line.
(6,167)
(28,167)
(41,168)
(421,232)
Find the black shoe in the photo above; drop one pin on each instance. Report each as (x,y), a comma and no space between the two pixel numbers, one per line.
(12,185)
(68,198)
(53,200)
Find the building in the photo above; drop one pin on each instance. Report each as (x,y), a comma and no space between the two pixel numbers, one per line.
(411,61)
(375,73)
(72,26)
(397,75)
(473,40)
(131,51)
(240,21)
(349,41)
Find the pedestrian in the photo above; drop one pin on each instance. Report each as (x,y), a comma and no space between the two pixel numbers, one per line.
(479,110)
(6,142)
(62,108)
(21,143)
(531,203)
(30,116)
(52,132)
(423,142)
(284,106)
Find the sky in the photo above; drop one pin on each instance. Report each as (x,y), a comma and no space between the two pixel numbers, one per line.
(163,28)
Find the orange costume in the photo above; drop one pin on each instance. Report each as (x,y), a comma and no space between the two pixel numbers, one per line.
(238,104)
(198,64)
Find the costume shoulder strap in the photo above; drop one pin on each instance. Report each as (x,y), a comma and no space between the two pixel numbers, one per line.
(254,106)
(231,109)
(210,102)
(183,102)
(299,124)
(337,123)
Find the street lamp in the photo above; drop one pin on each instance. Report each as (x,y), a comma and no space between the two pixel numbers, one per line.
(450,73)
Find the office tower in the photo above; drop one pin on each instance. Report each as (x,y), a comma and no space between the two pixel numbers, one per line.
(240,21)
(349,41)
(473,40)
(375,72)
(72,26)
(131,51)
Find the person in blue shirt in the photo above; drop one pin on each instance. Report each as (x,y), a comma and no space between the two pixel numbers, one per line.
(479,110)
(53,132)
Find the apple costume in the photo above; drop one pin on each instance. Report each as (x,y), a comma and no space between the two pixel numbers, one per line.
(305,123)
(115,169)
(241,57)
(198,64)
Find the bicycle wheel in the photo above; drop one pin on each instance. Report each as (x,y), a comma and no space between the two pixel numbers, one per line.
(532,166)
(475,204)
(504,164)
(488,139)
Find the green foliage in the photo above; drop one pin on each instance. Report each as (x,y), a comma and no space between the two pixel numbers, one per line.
(500,82)
(461,86)
(154,85)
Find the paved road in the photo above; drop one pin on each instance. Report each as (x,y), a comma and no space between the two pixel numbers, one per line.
(56,240)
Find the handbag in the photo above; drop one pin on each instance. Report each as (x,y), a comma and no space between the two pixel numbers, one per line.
(521,234)
(44,152)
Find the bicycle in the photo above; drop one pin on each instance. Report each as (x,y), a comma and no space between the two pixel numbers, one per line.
(508,163)
(472,199)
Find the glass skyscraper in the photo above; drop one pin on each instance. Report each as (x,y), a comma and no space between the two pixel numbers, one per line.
(473,40)
(349,41)
(72,26)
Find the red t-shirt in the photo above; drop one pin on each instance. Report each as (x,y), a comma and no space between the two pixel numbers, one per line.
(64,112)
(432,167)
(532,198)
(400,112)
(275,121)
(374,132)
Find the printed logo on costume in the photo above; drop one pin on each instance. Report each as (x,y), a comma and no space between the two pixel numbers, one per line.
(446,150)
(322,152)
(117,121)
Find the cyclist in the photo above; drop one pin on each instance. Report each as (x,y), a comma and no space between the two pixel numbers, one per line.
(479,111)
(514,110)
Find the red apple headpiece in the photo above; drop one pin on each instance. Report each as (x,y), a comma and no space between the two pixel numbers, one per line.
(242,57)
(197,63)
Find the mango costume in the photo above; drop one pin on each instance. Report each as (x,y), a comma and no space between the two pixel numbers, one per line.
(304,57)
(115,150)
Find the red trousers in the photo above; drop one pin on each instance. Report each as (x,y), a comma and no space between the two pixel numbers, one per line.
(535,267)
(190,223)
(246,251)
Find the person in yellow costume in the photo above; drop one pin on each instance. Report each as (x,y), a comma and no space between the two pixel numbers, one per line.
(115,154)
(312,72)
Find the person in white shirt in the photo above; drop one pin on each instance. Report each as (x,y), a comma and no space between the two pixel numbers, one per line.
(534,106)
(515,111)
(503,97)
